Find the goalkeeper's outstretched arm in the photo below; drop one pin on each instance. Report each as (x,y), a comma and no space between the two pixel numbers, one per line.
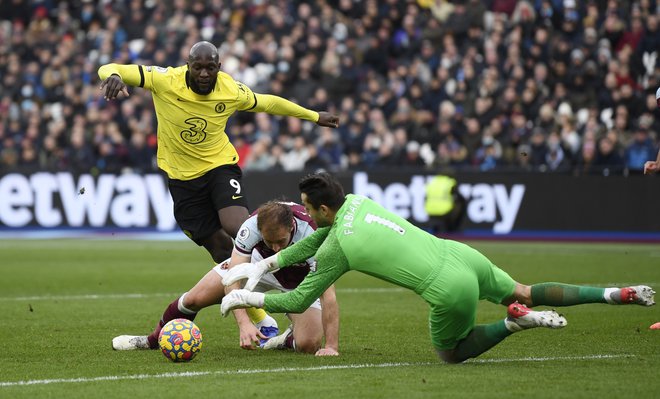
(298,252)
(302,250)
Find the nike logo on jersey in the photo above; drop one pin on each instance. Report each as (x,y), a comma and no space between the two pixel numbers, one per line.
(235,197)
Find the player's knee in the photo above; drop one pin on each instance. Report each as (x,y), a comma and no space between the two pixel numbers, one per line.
(523,294)
(220,254)
(231,229)
(221,250)
(449,356)
(219,245)
(193,302)
(307,344)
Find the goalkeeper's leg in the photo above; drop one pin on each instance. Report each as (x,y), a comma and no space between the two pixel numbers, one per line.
(559,294)
(483,337)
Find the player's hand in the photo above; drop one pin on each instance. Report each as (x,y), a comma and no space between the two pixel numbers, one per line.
(113,86)
(241,299)
(651,167)
(250,271)
(328,120)
(250,336)
(326,352)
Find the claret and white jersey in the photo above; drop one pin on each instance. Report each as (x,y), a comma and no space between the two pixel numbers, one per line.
(249,242)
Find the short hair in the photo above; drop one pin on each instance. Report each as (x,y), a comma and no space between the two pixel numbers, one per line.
(274,213)
(322,189)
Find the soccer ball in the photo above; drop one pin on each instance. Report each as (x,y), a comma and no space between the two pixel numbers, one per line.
(180,340)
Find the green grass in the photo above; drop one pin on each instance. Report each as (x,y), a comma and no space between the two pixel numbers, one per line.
(62,302)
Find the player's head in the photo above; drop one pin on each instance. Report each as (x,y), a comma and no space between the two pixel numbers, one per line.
(657,97)
(275,223)
(203,67)
(322,196)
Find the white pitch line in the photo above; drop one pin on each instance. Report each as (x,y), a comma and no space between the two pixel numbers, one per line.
(205,373)
(382,290)
(547,359)
(85,297)
(4,384)
(143,296)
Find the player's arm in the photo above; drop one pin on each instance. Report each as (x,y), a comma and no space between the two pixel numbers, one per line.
(116,77)
(303,249)
(330,320)
(276,105)
(328,269)
(296,253)
(330,265)
(248,333)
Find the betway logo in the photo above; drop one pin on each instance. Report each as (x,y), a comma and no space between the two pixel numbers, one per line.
(487,203)
(54,200)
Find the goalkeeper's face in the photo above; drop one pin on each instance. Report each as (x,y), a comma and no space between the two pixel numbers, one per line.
(322,216)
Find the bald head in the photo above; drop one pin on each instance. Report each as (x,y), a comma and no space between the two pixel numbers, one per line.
(203,50)
(203,67)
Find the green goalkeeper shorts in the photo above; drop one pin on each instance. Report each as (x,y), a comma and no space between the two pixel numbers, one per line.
(466,277)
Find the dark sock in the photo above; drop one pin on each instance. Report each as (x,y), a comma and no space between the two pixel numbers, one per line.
(557,294)
(172,312)
(289,342)
(480,339)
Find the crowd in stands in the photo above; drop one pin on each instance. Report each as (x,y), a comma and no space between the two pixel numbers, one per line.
(486,85)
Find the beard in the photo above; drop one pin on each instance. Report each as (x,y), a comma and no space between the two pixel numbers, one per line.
(195,87)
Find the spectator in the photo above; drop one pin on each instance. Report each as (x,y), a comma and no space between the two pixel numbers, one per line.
(640,150)
(608,161)
(499,68)
(295,159)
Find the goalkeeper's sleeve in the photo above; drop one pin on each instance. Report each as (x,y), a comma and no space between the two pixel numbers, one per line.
(303,249)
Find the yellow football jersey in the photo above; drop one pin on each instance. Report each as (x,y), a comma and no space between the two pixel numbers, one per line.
(191,126)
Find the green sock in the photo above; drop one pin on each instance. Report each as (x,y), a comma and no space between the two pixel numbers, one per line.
(480,339)
(557,294)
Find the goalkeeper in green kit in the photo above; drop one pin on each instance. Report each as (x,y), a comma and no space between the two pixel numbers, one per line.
(355,233)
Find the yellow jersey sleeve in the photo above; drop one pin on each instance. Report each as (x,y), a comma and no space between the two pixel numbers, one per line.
(246,98)
(148,77)
(129,74)
(275,105)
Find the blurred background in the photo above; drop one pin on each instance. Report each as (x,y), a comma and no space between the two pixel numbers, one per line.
(544,111)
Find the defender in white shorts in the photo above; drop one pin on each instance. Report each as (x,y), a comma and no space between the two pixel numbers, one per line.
(273,227)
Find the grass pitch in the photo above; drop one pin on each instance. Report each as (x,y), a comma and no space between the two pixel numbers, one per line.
(62,302)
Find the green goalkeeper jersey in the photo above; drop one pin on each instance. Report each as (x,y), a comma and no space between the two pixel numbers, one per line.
(364,237)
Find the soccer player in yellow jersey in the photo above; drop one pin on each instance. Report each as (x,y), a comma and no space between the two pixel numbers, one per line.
(192,104)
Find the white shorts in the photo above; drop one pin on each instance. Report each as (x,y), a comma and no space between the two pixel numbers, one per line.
(267,283)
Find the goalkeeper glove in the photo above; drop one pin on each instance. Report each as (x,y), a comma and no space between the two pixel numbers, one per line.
(250,271)
(241,299)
